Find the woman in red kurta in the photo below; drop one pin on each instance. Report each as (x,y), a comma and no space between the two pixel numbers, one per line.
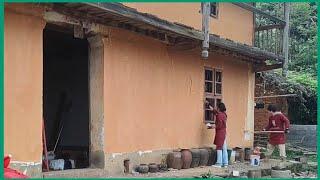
(220,137)
(277,122)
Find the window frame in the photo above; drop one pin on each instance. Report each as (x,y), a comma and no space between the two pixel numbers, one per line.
(215,82)
(212,95)
(217,10)
(211,14)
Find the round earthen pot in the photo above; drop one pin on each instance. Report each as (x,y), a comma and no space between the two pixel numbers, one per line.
(247,153)
(143,168)
(204,157)
(195,157)
(174,160)
(163,167)
(240,155)
(211,158)
(186,158)
(153,168)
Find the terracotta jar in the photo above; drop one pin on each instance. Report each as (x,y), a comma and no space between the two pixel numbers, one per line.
(186,158)
(211,156)
(239,154)
(204,157)
(153,168)
(247,153)
(195,158)
(143,168)
(174,160)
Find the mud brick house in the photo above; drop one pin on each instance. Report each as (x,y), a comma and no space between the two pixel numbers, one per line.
(126,81)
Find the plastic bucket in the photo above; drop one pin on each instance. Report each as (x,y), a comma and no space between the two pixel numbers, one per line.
(254,160)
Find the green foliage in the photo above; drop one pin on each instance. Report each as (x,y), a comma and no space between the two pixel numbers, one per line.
(305,79)
(303,107)
(207,175)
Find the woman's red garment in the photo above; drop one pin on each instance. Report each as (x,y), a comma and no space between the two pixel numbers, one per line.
(11,173)
(277,122)
(221,129)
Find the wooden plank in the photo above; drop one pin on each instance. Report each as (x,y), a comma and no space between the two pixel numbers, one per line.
(118,10)
(205,28)
(286,39)
(276,96)
(121,10)
(269,132)
(276,41)
(243,49)
(260,12)
(263,68)
(267,27)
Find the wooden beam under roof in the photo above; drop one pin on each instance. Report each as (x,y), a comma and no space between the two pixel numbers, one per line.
(116,11)
(267,27)
(262,68)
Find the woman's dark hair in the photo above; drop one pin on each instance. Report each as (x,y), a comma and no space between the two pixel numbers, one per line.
(222,107)
(273,108)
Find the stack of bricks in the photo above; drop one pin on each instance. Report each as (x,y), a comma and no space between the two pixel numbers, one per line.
(260,140)
(261,116)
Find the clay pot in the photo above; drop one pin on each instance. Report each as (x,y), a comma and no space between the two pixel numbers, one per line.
(143,168)
(239,154)
(186,158)
(212,156)
(163,167)
(247,153)
(204,157)
(153,168)
(174,160)
(195,157)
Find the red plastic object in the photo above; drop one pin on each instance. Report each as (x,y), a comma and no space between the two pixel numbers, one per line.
(11,173)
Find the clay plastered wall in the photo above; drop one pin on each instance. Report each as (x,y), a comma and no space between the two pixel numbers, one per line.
(261,116)
(233,22)
(154,96)
(23,84)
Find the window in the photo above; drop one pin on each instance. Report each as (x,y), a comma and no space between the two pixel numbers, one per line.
(218,82)
(213,91)
(213,9)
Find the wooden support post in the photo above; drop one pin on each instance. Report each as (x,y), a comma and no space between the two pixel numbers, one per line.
(286,39)
(205,29)
(96,84)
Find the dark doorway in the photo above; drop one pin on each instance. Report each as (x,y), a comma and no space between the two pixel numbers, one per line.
(66,97)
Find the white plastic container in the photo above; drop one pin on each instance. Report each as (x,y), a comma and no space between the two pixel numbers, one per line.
(255,160)
(57,164)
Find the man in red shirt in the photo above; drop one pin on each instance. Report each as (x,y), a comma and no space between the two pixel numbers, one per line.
(277,122)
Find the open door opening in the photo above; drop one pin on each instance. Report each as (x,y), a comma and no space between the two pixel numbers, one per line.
(66,99)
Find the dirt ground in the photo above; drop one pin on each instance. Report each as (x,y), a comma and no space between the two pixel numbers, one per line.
(186,173)
(219,172)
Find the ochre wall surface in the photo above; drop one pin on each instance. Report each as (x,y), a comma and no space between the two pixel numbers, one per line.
(23,84)
(154,96)
(232,22)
